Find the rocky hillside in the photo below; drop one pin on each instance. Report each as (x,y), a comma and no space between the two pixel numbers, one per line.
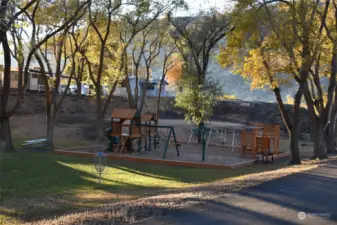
(229,111)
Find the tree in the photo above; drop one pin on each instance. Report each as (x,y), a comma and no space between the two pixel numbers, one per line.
(18,33)
(30,10)
(298,38)
(151,52)
(195,38)
(198,100)
(8,15)
(76,59)
(254,51)
(100,19)
(308,51)
(137,18)
(58,49)
(171,65)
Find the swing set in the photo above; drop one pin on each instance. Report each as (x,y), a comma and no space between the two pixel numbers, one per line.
(122,135)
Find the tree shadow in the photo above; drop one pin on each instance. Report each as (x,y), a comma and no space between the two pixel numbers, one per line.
(188,174)
(310,192)
(274,202)
(39,185)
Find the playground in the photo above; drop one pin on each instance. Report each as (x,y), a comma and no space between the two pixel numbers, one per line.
(69,184)
(136,137)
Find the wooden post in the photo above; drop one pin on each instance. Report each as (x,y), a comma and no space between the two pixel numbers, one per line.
(203,144)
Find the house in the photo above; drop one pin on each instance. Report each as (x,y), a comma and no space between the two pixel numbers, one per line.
(14,77)
(152,87)
(35,80)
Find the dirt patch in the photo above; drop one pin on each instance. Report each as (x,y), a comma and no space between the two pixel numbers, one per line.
(34,127)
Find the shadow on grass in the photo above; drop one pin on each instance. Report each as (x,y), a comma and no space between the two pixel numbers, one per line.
(191,175)
(274,202)
(40,185)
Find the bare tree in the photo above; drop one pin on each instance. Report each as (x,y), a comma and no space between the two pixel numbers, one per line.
(169,63)
(6,22)
(195,38)
(8,14)
(135,21)
(152,51)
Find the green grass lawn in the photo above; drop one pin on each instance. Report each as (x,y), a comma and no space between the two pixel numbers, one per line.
(39,184)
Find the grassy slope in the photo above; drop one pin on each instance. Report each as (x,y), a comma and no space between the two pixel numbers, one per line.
(39,184)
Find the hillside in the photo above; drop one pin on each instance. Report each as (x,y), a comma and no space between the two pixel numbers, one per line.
(74,111)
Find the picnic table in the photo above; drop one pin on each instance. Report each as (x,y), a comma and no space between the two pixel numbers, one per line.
(234,130)
(38,142)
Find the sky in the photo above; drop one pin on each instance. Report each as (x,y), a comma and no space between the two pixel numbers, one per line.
(196,5)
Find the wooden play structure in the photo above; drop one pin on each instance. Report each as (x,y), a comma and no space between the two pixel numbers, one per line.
(263,140)
(148,132)
(124,126)
(128,125)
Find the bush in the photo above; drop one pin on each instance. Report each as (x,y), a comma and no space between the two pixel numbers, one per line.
(198,100)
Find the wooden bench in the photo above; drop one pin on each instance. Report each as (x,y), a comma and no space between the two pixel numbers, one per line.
(35,143)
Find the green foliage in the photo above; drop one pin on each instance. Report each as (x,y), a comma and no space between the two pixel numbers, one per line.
(198,100)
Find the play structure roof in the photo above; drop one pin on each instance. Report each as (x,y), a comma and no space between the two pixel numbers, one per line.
(147,117)
(124,113)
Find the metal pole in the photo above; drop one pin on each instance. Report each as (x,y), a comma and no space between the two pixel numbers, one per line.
(203,145)
(167,143)
(175,141)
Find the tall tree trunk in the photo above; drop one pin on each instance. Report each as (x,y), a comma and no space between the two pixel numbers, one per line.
(99,114)
(131,101)
(330,138)
(108,100)
(125,71)
(294,131)
(145,89)
(5,132)
(79,89)
(50,127)
(319,144)
(294,149)
(293,126)
(20,78)
(159,97)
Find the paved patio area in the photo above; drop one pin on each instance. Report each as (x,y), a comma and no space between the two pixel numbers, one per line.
(190,155)
(220,152)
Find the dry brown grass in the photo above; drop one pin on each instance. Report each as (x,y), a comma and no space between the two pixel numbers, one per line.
(131,211)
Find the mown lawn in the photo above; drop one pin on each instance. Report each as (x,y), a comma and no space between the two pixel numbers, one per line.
(37,184)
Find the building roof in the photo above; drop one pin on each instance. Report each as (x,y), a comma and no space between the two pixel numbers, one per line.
(36,70)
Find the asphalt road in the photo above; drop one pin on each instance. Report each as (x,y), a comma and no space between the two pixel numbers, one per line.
(304,198)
